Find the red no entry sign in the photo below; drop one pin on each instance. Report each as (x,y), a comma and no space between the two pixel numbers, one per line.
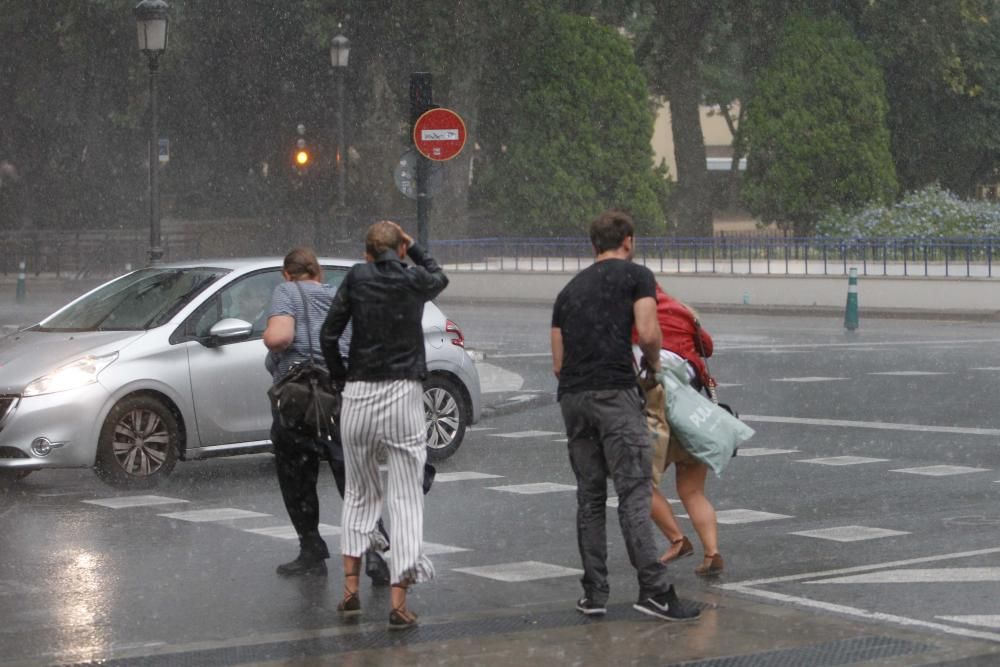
(439,134)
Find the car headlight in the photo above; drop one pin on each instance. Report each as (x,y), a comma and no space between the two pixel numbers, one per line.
(73,375)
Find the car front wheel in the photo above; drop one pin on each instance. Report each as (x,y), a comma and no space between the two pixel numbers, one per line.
(446,410)
(139,443)
(11,476)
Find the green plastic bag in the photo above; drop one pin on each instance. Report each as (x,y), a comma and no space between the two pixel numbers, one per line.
(705,430)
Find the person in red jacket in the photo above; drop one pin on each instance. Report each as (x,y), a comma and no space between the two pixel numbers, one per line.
(685,339)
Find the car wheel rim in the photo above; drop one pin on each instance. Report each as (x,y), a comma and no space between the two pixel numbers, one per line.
(141,443)
(443,417)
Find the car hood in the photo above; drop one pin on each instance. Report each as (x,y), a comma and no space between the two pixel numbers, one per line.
(28,355)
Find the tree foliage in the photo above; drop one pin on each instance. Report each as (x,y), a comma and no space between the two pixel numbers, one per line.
(942,67)
(816,127)
(239,75)
(568,134)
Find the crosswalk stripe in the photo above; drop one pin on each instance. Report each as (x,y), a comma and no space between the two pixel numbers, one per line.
(883,426)
(918,576)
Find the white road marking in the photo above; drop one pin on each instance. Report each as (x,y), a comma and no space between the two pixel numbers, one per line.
(849,533)
(461,476)
(613,501)
(517,572)
(862,613)
(986,368)
(882,426)
(432,549)
(982,620)
(493,379)
(523,434)
(899,343)
(221,514)
(725,385)
(747,588)
(123,502)
(480,428)
(533,489)
(841,460)
(940,470)
(919,576)
(909,373)
(816,378)
(861,568)
(743,516)
(288,532)
(763,451)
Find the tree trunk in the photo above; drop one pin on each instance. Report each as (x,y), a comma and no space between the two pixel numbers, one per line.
(682,25)
(694,207)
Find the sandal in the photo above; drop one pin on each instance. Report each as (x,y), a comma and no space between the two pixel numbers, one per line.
(351,604)
(401,618)
(710,566)
(683,548)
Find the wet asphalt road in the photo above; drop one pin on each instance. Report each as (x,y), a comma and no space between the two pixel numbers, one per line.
(82,581)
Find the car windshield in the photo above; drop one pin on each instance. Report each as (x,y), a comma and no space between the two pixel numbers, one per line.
(138,301)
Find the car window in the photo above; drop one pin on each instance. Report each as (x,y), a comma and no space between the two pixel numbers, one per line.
(334,275)
(247,299)
(140,300)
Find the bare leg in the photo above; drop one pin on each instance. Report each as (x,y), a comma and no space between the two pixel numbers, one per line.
(398,597)
(352,568)
(691,489)
(663,516)
(351,604)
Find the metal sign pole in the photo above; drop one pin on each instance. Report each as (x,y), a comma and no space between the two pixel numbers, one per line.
(421,99)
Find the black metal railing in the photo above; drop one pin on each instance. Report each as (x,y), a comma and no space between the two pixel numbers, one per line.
(958,258)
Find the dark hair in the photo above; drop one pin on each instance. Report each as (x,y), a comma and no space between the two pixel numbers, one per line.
(301,264)
(609,231)
(382,236)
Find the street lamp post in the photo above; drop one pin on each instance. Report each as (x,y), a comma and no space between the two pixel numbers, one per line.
(340,49)
(151,22)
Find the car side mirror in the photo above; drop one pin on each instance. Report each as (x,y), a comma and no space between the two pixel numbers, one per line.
(229,330)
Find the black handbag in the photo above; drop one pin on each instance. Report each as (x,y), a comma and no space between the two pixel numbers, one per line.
(305,398)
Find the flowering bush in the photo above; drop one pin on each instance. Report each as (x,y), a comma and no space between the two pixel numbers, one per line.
(929,213)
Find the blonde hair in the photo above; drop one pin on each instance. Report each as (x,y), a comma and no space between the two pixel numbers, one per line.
(382,236)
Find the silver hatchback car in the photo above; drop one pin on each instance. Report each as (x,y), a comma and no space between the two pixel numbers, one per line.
(167,363)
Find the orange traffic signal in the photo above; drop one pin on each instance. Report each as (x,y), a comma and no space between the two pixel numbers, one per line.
(302,157)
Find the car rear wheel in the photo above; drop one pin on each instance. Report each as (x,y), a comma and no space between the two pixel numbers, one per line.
(139,443)
(447,415)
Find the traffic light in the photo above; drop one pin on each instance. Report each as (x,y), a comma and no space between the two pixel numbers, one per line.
(302,156)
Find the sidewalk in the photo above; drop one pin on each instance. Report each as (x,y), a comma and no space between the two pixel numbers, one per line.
(732,632)
(898,297)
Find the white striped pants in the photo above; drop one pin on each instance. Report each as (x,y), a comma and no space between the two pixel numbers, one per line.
(389,416)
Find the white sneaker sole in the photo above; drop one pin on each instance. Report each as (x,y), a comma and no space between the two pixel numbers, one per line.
(592,612)
(663,614)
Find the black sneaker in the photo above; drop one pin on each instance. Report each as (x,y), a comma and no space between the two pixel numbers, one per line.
(377,569)
(668,606)
(303,566)
(588,607)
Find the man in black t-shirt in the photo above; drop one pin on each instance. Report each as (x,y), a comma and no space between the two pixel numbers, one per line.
(592,356)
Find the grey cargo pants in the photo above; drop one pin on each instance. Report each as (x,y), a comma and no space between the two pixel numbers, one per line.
(608,437)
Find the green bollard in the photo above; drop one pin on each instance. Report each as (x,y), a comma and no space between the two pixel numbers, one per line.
(21,290)
(851,313)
